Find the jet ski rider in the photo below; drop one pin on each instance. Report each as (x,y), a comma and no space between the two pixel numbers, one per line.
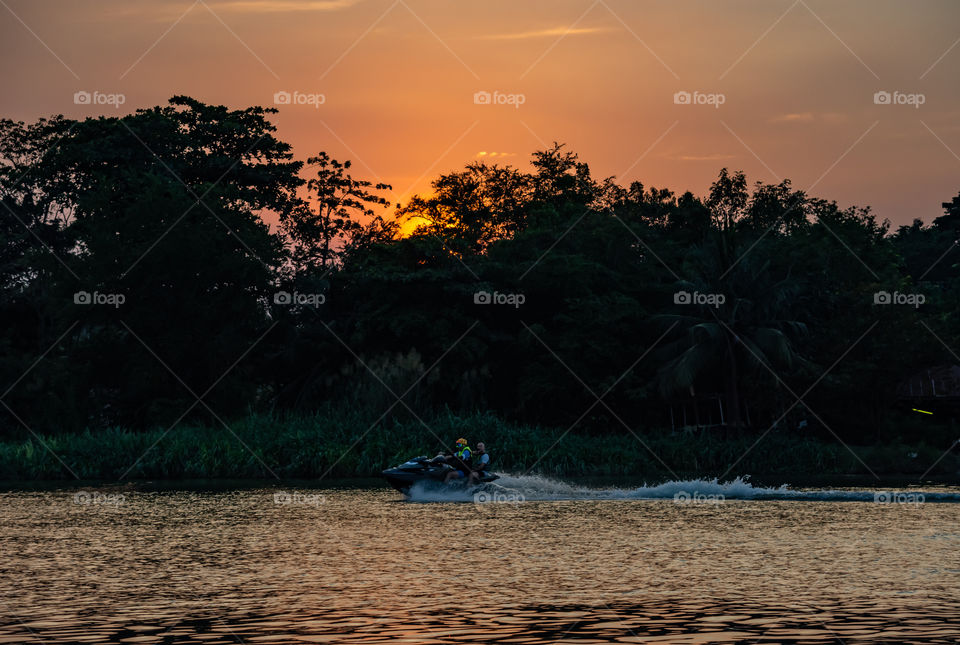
(480,464)
(460,461)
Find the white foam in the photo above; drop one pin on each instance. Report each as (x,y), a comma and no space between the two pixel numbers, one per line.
(532,488)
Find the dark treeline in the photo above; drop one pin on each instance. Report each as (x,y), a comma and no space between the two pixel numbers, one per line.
(137,276)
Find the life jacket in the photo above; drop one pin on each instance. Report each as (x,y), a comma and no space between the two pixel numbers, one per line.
(464,456)
(478,463)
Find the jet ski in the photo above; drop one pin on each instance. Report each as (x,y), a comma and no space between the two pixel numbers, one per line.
(422,469)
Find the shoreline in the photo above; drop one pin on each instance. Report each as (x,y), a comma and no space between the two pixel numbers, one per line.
(798,481)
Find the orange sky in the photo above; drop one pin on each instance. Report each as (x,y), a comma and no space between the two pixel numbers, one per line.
(398,78)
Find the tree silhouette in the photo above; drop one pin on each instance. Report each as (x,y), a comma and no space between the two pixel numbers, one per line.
(331,215)
(167,207)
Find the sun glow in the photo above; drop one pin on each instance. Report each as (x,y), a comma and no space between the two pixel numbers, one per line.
(408,226)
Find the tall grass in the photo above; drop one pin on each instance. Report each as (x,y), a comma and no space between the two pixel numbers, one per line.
(344,444)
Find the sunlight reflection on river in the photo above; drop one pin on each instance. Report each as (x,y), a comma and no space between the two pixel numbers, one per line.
(360,566)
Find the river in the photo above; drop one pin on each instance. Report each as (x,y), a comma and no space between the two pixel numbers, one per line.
(528,561)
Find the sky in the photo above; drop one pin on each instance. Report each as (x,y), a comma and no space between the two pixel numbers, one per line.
(658,91)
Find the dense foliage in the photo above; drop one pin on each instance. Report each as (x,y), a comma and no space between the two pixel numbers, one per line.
(141,288)
(322,446)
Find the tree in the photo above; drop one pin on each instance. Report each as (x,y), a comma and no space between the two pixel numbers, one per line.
(560,177)
(473,208)
(35,246)
(728,199)
(950,220)
(165,211)
(745,328)
(330,218)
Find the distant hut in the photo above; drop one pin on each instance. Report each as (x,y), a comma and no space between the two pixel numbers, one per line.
(698,412)
(939,385)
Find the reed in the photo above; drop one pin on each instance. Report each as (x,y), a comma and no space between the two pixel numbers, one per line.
(346,443)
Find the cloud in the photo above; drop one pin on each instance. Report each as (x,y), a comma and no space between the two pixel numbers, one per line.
(484,154)
(794,117)
(167,12)
(544,33)
(832,118)
(283,6)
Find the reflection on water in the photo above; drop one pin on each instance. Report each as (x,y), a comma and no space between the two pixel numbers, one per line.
(326,566)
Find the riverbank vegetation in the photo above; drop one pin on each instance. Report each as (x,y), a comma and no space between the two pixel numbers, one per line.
(334,446)
(144,297)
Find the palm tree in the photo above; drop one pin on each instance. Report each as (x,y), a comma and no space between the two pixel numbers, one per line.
(740,325)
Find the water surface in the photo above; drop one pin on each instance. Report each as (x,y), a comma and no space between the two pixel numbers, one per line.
(540,562)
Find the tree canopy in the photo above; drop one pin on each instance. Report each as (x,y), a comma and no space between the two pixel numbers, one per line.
(141,286)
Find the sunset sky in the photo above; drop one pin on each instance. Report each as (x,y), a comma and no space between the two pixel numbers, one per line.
(398,78)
